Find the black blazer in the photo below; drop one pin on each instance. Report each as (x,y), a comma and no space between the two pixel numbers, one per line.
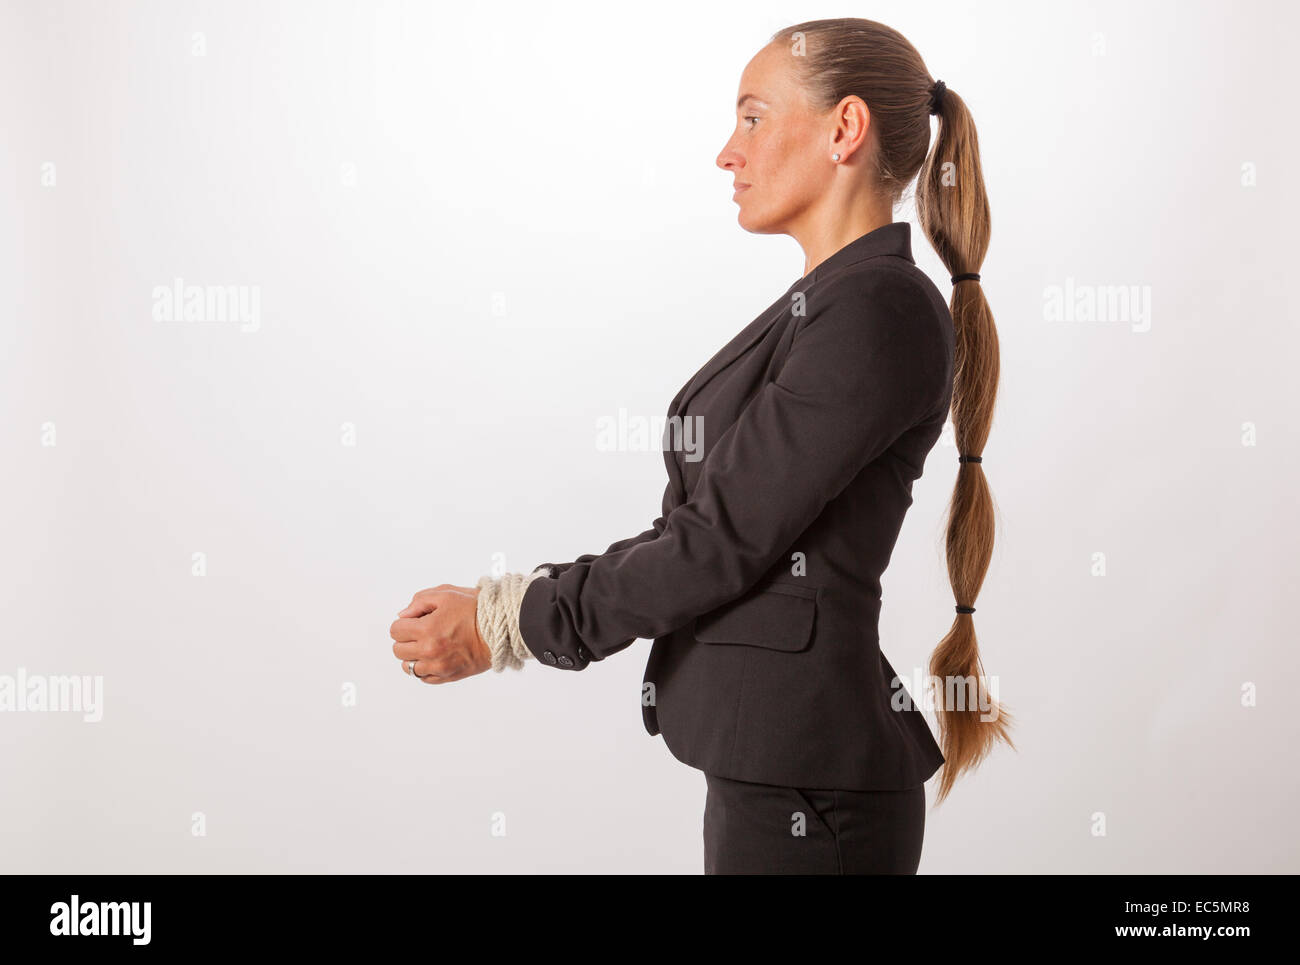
(760,581)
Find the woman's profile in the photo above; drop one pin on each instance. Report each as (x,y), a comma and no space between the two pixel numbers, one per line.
(760,581)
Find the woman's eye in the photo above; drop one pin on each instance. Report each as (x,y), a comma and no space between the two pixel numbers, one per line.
(751,118)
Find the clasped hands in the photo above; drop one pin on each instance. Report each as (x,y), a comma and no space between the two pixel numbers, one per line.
(437,636)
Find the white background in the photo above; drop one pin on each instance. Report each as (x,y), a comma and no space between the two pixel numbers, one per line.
(557,162)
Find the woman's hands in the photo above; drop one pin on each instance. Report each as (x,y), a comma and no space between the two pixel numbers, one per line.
(437,635)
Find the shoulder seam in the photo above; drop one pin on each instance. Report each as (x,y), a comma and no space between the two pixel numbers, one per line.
(877,263)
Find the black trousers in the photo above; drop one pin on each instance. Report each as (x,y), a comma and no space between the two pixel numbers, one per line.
(768,829)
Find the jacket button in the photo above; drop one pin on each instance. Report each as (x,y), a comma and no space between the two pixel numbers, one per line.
(566,660)
(549,657)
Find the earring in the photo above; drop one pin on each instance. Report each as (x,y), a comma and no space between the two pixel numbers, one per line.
(835,157)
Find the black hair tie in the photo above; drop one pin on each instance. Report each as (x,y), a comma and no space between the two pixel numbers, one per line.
(965,609)
(936,96)
(970,275)
(970,458)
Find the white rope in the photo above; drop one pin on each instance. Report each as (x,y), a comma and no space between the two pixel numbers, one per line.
(498,617)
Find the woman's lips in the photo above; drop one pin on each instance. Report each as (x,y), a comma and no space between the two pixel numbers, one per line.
(739,188)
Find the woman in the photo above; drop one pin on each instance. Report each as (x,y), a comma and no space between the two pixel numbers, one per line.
(760,581)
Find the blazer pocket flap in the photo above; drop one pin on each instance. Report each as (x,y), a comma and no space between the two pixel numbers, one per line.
(778,616)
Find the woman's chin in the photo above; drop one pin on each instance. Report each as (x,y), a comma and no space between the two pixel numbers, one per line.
(755,225)
(749,220)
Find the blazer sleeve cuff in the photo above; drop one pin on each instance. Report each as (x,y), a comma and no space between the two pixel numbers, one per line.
(497,615)
(538,626)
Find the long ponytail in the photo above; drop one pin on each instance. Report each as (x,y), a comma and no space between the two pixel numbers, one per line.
(953,209)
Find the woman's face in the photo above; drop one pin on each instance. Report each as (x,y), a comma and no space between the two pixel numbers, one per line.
(779,152)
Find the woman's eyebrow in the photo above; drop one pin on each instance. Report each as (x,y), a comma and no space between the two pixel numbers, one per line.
(746,97)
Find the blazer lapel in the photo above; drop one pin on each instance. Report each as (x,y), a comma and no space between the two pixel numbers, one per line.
(891,239)
(737,347)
